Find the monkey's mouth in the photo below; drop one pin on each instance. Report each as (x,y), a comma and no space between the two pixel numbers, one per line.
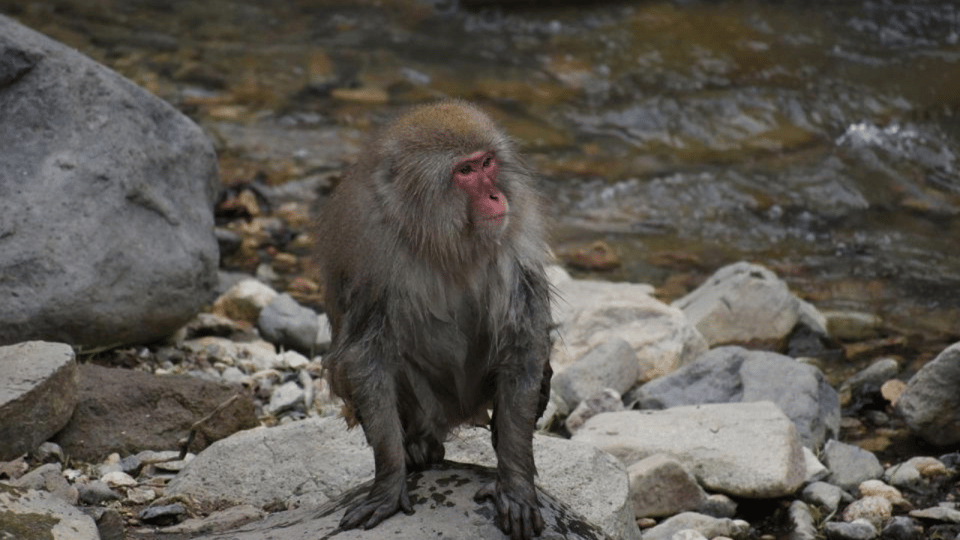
(493,221)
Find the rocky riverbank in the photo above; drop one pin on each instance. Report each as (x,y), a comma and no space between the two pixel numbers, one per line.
(727,441)
(739,410)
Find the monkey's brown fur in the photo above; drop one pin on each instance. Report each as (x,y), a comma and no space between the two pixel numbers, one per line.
(434,315)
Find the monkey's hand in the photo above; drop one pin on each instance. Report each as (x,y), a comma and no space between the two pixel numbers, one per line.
(386,497)
(517,508)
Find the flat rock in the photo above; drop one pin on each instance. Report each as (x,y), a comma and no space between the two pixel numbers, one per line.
(443,508)
(744,449)
(735,374)
(589,313)
(311,462)
(106,196)
(38,392)
(930,405)
(36,515)
(126,411)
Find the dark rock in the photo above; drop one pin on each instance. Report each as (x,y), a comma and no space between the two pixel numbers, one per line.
(106,197)
(38,392)
(163,515)
(734,374)
(110,525)
(902,528)
(127,411)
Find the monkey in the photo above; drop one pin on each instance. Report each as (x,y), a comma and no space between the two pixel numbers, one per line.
(433,252)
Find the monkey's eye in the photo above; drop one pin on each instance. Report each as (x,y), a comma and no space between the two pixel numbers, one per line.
(466,169)
(487,162)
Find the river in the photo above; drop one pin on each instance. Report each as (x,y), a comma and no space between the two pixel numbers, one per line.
(818,138)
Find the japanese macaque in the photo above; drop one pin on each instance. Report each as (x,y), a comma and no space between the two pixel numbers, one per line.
(434,283)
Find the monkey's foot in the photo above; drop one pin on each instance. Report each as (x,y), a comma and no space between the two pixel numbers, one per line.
(385,499)
(423,452)
(518,512)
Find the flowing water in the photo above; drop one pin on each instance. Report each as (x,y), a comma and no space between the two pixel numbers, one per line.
(819,138)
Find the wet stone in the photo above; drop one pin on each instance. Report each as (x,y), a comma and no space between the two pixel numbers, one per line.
(163,515)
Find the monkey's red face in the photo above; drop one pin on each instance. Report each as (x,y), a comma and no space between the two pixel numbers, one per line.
(476,175)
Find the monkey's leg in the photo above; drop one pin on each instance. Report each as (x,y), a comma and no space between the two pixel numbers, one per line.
(513,492)
(374,396)
(422,452)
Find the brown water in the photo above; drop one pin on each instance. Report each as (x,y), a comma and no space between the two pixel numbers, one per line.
(818,137)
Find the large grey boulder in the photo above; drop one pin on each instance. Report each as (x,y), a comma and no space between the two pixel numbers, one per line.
(38,392)
(106,194)
(931,402)
(734,374)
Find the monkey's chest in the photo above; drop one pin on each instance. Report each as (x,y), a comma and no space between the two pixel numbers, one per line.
(449,354)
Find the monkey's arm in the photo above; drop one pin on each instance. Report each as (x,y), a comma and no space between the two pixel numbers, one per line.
(373,396)
(517,404)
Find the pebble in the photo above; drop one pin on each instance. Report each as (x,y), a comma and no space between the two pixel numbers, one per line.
(876,488)
(95,493)
(118,479)
(48,452)
(286,323)
(802,521)
(850,465)
(824,495)
(938,513)
(857,530)
(285,397)
(876,510)
(163,515)
(903,528)
(139,495)
(870,378)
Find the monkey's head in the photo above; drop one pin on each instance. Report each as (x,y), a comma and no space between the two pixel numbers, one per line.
(450,178)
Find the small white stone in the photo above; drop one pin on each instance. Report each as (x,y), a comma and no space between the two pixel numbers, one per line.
(118,478)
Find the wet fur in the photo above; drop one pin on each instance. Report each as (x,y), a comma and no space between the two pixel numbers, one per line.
(428,310)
